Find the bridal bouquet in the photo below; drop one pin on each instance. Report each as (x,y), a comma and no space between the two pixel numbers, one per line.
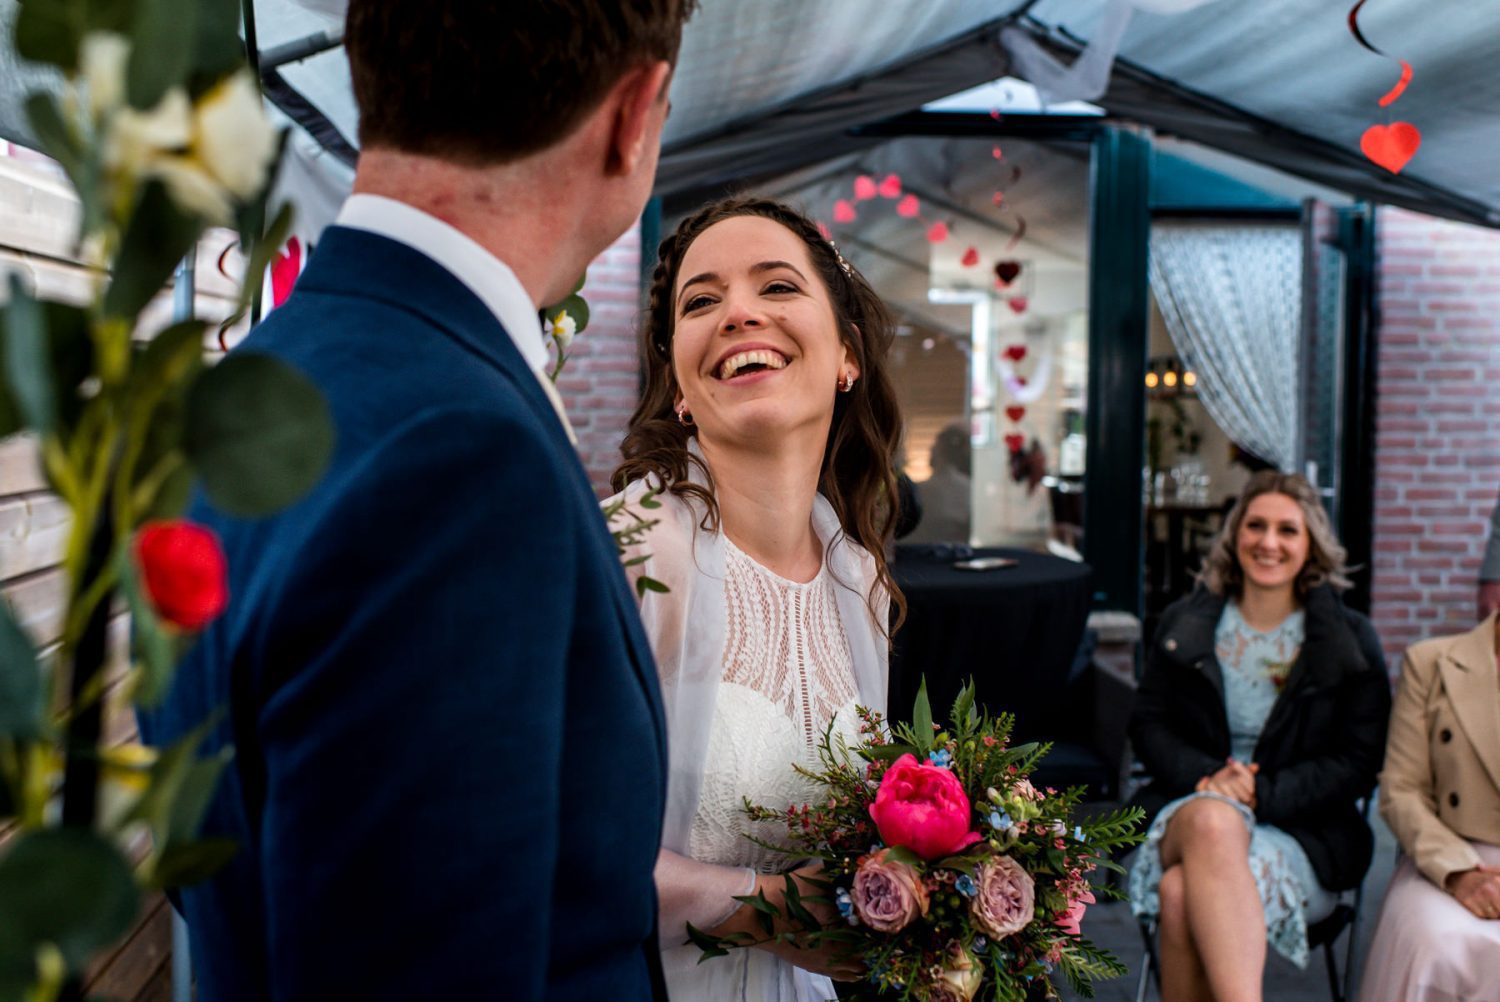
(956,878)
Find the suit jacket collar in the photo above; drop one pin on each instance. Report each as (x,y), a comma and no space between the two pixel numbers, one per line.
(1467,666)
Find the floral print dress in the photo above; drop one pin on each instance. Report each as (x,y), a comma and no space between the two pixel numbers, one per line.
(1255,666)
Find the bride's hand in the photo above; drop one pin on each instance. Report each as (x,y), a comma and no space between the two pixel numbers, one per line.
(830,959)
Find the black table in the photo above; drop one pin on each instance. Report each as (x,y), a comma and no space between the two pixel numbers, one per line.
(1014,631)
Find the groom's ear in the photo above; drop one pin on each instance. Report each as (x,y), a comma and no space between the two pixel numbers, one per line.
(639,99)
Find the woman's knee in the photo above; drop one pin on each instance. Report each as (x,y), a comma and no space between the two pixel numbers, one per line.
(1173,894)
(1209,823)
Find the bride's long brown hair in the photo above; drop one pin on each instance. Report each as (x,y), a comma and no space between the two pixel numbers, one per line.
(858,476)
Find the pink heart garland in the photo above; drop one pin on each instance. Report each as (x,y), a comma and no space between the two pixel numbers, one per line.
(823,229)
(890,186)
(1391,146)
(937,232)
(1017,304)
(1015,352)
(998,198)
(1008,271)
(1015,412)
(909,207)
(970,258)
(864,187)
(843,212)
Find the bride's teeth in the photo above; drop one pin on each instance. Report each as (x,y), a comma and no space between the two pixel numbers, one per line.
(733,364)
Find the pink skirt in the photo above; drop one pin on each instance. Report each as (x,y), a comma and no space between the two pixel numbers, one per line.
(1430,948)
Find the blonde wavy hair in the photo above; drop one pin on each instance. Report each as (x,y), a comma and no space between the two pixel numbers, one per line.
(1326,556)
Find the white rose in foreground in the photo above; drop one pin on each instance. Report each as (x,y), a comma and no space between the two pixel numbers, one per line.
(232,135)
(138,139)
(102,58)
(194,189)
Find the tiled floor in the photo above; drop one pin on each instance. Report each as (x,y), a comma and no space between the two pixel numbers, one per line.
(1112,926)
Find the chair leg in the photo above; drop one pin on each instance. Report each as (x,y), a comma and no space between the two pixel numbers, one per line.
(1149,967)
(1335,986)
(1143,983)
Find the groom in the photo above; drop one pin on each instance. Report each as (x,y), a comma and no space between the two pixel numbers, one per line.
(449,766)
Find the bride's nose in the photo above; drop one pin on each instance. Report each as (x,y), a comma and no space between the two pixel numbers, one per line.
(739,315)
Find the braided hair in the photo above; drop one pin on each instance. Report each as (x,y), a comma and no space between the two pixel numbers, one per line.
(858,476)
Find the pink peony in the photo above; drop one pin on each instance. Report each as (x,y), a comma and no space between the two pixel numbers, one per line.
(888,895)
(924,808)
(1068,921)
(1005,897)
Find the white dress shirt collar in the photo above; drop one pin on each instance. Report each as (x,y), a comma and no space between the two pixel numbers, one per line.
(483,273)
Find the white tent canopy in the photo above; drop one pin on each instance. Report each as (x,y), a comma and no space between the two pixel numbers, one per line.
(767,86)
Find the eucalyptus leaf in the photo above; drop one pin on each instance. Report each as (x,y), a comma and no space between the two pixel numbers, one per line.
(186,863)
(259,434)
(48,31)
(170,356)
(217,49)
(22,693)
(156,238)
(68,887)
(576,308)
(582,280)
(172,28)
(644,584)
(262,250)
(155,649)
(27,362)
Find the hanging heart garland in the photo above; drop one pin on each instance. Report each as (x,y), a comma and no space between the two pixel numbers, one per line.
(864,188)
(1390,146)
(970,258)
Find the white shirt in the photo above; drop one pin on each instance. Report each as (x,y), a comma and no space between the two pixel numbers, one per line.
(483,273)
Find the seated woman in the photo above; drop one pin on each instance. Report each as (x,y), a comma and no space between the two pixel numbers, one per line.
(1438,938)
(1261,717)
(770,425)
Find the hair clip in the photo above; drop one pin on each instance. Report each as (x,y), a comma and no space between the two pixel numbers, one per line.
(844,265)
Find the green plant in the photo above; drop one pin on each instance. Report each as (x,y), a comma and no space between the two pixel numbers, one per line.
(160,129)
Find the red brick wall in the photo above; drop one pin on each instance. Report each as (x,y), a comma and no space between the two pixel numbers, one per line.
(1437,452)
(600,382)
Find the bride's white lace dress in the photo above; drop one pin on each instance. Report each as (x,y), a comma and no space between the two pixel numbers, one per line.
(787,673)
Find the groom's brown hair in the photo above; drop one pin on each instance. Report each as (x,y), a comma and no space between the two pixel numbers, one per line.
(487,81)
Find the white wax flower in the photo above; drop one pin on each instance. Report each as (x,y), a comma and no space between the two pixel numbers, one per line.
(564,328)
(102,58)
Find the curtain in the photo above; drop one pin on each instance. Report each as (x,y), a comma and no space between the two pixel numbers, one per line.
(1231,295)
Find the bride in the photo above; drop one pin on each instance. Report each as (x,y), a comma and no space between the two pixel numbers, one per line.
(770,425)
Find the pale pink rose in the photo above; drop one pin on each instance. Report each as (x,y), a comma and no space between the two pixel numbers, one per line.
(959,981)
(1005,897)
(1068,920)
(887,895)
(924,808)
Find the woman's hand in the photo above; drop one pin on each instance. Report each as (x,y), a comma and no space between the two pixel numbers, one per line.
(829,959)
(1477,890)
(1235,781)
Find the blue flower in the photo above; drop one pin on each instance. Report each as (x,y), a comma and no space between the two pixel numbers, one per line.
(1078,833)
(980,944)
(965,886)
(942,758)
(1000,821)
(845,903)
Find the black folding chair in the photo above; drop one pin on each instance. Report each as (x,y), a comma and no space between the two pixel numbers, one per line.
(1323,933)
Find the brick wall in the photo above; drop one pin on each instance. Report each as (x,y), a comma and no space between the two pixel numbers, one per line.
(1437,459)
(600,382)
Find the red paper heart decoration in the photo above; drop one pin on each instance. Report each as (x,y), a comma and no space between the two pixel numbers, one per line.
(997,153)
(843,212)
(890,186)
(1020,380)
(823,229)
(909,207)
(998,198)
(1015,352)
(1017,304)
(864,187)
(1015,443)
(1391,146)
(1015,412)
(970,258)
(1008,271)
(937,232)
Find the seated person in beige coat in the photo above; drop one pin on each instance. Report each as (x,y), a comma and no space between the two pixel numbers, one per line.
(1439,931)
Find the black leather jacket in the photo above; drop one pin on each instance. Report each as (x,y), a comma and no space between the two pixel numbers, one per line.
(1322,745)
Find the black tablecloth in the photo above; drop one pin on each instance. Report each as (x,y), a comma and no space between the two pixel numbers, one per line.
(1014,631)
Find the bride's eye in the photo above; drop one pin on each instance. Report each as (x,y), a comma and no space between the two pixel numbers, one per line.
(781,287)
(696,303)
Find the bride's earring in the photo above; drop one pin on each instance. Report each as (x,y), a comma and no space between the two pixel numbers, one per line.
(684,418)
(846,383)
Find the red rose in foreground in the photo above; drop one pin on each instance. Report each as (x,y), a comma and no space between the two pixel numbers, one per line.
(183,572)
(924,808)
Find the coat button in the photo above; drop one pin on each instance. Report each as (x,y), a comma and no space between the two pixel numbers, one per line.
(1171,644)
(1446,736)
(1452,800)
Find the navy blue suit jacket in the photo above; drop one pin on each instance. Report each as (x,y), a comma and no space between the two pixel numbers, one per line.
(450,761)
